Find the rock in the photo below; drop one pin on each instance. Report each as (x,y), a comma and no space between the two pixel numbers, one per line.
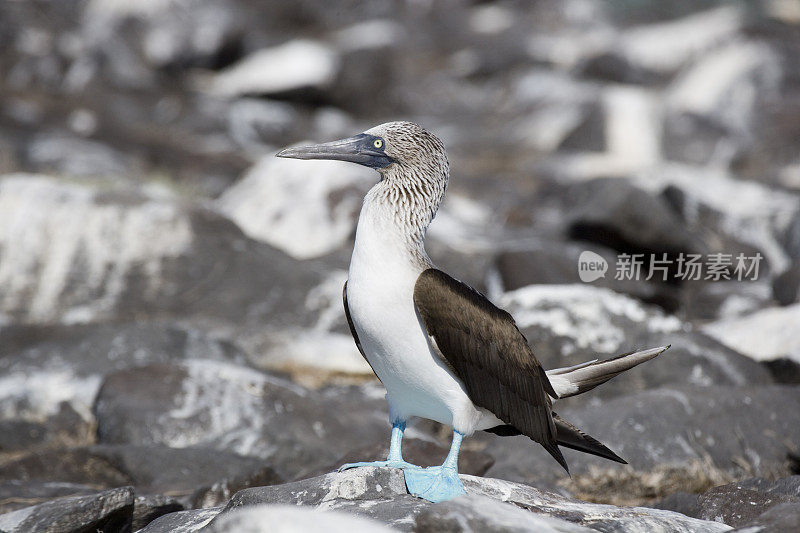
(784,370)
(711,105)
(236,409)
(53,372)
(255,124)
(693,358)
(614,213)
(475,513)
(18,494)
(111,510)
(786,286)
(79,466)
(681,436)
(370,53)
(305,208)
(291,67)
(765,335)
(633,126)
(189,473)
(205,35)
(737,504)
(64,428)
(556,111)
(680,502)
(663,48)
(702,301)
(182,522)
(70,156)
(739,216)
(788,486)
(564,321)
(141,255)
(782,518)
(571,324)
(381,494)
(555,263)
(287,519)
(148,508)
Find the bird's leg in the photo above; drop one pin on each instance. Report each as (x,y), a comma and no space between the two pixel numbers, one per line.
(395,459)
(438,483)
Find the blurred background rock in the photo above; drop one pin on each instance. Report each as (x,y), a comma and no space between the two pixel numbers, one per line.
(171,292)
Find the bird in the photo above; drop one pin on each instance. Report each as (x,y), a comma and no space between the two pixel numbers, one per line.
(442,350)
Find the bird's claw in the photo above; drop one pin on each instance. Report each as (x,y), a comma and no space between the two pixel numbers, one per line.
(435,484)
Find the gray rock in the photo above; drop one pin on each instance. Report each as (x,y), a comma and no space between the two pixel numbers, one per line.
(787,486)
(763,336)
(182,522)
(572,324)
(170,34)
(291,67)
(124,254)
(614,213)
(307,210)
(292,519)
(782,518)
(686,436)
(381,494)
(149,507)
(737,504)
(702,301)
(192,474)
(236,409)
(35,361)
(255,124)
(136,253)
(17,494)
(64,428)
(553,262)
(708,121)
(476,513)
(665,46)
(786,286)
(111,510)
(730,215)
(569,324)
(71,156)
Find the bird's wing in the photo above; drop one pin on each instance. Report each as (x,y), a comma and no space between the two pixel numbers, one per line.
(353,328)
(483,347)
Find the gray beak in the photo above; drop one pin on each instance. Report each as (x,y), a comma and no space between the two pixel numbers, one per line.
(358,149)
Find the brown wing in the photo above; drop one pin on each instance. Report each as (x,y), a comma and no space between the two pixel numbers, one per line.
(483,346)
(353,328)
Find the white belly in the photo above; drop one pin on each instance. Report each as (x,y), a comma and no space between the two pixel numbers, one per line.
(380,292)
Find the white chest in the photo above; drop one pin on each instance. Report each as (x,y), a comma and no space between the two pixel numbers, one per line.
(380,294)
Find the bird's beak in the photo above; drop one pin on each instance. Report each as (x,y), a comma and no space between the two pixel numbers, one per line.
(356,149)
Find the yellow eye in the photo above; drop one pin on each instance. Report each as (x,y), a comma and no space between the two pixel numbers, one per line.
(377,143)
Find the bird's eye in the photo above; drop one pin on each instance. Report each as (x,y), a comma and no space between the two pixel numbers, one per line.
(377,143)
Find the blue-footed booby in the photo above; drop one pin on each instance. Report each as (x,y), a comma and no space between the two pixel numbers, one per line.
(441,349)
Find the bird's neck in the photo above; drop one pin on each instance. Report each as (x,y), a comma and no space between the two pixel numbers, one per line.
(397,212)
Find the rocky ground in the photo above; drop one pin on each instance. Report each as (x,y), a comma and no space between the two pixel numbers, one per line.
(173,350)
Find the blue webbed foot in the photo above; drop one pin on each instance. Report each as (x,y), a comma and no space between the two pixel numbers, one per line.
(391,463)
(435,484)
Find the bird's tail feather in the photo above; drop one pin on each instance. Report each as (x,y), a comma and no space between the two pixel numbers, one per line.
(586,376)
(571,437)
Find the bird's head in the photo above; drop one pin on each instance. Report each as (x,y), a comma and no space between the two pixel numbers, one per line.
(389,148)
